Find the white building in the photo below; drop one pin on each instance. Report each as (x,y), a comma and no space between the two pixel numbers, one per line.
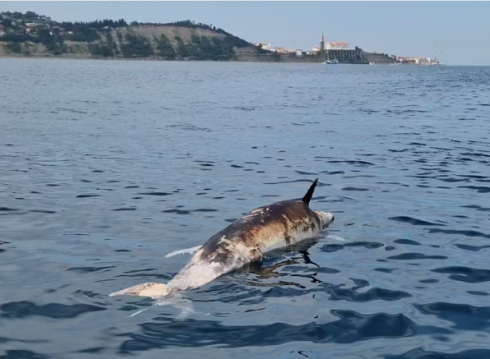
(337,45)
(264,46)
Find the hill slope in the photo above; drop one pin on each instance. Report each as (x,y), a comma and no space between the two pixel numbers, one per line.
(30,34)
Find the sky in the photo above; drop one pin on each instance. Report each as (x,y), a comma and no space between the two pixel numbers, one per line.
(457,33)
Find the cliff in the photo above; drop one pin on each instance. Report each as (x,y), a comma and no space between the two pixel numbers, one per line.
(145,41)
(33,35)
(377,58)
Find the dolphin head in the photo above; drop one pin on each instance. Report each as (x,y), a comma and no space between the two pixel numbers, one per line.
(326,218)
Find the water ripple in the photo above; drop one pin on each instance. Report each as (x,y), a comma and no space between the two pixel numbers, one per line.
(350,327)
(52,310)
(465,274)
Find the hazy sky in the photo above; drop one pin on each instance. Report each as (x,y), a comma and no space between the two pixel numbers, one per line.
(454,32)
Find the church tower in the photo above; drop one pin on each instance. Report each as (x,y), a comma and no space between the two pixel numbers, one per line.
(322,48)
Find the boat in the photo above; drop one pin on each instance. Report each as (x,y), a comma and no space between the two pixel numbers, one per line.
(330,62)
(372,63)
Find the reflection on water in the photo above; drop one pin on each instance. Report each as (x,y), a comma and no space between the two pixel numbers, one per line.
(107,166)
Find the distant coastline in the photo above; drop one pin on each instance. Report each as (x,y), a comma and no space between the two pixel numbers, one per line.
(37,36)
(238,58)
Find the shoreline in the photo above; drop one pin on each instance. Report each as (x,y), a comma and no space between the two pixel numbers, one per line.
(54,57)
(248,60)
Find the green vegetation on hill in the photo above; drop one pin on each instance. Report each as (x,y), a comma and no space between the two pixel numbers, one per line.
(164,48)
(109,38)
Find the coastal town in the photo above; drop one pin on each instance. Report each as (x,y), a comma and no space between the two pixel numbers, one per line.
(335,46)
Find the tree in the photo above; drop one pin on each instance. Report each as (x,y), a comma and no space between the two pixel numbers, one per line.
(164,47)
(136,46)
(14,47)
(181,48)
(7,23)
(31,15)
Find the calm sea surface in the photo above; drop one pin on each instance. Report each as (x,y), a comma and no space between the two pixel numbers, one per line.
(106,166)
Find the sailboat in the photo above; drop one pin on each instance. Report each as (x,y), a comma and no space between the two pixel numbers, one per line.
(331,62)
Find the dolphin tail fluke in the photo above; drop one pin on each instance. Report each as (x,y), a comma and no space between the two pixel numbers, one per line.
(184,251)
(307,198)
(152,290)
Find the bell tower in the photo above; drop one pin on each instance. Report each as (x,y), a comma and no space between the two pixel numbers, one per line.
(322,47)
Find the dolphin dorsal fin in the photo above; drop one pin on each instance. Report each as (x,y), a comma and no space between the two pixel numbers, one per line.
(307,198)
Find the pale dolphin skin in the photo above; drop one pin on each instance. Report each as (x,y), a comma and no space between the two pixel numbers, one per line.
(262,230)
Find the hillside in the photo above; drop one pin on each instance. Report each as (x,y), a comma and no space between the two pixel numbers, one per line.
(31,34)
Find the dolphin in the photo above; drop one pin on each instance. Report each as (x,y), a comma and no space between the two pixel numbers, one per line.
(246,240)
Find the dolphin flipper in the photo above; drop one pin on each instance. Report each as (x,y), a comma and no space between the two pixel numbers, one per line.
(184,251)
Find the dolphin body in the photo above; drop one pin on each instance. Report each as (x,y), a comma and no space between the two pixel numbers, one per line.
(246,240)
